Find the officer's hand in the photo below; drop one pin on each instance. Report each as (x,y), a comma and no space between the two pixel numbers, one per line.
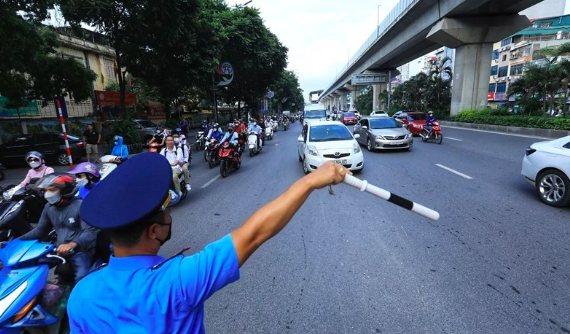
(329,173)
(64,249)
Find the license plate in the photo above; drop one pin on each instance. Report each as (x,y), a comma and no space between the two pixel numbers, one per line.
(397,142)
(340,162)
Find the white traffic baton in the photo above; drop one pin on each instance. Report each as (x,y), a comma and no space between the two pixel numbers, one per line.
(392,198)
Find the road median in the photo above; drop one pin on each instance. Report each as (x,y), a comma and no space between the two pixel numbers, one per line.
(531,132)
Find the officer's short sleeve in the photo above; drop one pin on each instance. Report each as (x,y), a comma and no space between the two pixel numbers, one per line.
(208,271)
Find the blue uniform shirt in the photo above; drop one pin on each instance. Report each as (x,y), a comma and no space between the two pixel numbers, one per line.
(84,191)
(128,296)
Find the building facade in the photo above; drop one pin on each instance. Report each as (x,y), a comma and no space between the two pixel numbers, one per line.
(511,55)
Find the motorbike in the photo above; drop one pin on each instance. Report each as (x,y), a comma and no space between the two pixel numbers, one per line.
(285,124)
(14,211)
(275,126)
(209,148)
(252,143)
(153,148)
(229,159)
(213,156)
(2,173)
(109,165)
(183,192)
(436,134)
(269,133)
(200,140)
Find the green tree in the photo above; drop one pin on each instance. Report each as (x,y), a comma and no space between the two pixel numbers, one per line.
(31,68)
(256,54)
(288,93)
(170,44)
(364,101)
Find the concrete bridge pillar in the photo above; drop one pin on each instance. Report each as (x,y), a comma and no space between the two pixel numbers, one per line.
(473,40)
(377,103)
(353,97)
(343,102)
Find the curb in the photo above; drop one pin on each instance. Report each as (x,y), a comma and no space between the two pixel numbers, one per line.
(531,132)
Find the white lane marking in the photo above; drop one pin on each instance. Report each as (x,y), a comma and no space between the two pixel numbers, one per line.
(496,133)
(454,172)
(210,182)
(451,138)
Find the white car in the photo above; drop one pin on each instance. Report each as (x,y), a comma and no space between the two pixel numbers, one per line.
(323,141)
(379,113)
(547,166)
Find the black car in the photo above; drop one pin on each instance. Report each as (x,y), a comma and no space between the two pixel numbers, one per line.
(50,144)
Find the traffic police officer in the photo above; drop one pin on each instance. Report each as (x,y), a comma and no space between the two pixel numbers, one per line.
(140,292)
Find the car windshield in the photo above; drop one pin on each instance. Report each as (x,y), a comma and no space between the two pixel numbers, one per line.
(147,124)
(315,113)
(329,133)
(348,114)
(417,117)
(384,123)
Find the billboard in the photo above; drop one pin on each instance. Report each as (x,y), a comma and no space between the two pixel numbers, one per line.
(369,79)
(32,109)
(113,99)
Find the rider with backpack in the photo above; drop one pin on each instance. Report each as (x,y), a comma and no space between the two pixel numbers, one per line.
(174,155)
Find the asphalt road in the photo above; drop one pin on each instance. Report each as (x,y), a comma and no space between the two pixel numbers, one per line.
(495,262)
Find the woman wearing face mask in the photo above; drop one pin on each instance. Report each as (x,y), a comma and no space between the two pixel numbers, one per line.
(119,150)
(38,168)
(87,176)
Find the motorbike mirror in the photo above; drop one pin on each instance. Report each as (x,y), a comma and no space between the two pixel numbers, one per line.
(300,139)
(356,135)
(365,127)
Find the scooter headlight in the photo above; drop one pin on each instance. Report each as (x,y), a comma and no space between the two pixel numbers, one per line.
(7,301)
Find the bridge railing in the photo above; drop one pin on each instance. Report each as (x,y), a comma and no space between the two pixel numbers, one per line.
(396,12)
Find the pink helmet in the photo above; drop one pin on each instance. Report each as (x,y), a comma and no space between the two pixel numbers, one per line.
(86,167)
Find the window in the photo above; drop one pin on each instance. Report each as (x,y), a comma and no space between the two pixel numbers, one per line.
(492,87)
(327,132)
(44,138)
(364,122)
(503,71)
(506,42)
(504,57)
(546,24)
(517,69)
(384,123)
(495,54)
(501,87)
(567,145)
(494,70)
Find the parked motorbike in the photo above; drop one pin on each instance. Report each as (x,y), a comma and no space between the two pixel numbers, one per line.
(200,141)
(109,164)
(229,159)
(269,133)
(2,173)
(252,143)
(435,135)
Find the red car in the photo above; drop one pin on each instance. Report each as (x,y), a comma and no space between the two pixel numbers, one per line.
(349,118)
(414,120)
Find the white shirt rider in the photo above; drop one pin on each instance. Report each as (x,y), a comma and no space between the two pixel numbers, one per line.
(174,155)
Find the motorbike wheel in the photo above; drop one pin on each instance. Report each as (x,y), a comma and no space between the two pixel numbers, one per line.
(251,153)
(206,157)
(438,138)
(212,161)
(183,191)
(423,134)
(224,169)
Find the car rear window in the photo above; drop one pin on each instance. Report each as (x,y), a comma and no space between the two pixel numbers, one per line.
(349,114)
(329,133)
(417,117)
(384,123)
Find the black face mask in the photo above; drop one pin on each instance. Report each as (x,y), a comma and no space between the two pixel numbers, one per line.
(162,242)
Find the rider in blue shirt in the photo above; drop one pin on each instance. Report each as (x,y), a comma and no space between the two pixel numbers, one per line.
(429,122)
(119,150)
(215,133)
(256,128)
(87,176)
(231,135)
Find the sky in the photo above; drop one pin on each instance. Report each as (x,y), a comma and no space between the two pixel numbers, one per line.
(322,34)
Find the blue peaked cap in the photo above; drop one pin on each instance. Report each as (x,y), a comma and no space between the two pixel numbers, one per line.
(134,191)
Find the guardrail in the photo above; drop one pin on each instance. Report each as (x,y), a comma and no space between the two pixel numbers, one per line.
(395,14)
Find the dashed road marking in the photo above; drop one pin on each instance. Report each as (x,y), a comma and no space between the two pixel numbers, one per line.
(454,172)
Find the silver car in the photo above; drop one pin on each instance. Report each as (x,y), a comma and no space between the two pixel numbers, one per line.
(383,133)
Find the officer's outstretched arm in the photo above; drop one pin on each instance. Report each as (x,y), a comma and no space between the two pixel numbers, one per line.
(272,218)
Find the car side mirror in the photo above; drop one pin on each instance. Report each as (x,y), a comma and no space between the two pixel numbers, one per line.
(356,136)
(364,127)
(300,139)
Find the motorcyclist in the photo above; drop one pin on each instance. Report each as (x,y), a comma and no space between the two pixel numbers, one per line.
(185,157)
(205,126)
(257,129)
(173,154)
(62,213)
(87,176)
(181,136)
(36,161)
(158,138)
(119,150)
(232,137)
(430,119)
(215,133)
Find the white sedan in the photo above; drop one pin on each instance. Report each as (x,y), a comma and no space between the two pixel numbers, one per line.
(324,141)
(547,166)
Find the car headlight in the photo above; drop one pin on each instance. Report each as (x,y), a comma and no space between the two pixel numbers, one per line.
(356,148)
(380,137)
(408,136)
(313,151)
